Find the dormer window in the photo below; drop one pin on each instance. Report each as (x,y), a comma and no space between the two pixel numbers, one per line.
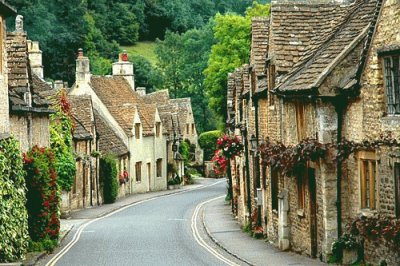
(137,130)
(392,83)
(158,129)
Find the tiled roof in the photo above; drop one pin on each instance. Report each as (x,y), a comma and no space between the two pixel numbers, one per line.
(315,67)
(82,112)
(109,142)
(298,29)
(159,97)
(20,76)
(184,108)
(121,100)
(259,43)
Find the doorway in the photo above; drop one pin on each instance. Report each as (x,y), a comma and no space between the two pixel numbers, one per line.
(149,174)
(313,212)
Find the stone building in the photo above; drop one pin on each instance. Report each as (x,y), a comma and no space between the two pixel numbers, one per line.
(85,190)
(323,82)
(27,91)
(178,120)
(136,123)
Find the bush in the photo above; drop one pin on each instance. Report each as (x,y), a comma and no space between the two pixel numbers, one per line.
(108,178)
(208,142)
(184,147)
(46,244)
(43,197)
(13,214)
(174,181)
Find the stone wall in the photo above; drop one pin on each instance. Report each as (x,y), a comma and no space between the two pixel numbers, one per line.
(4,107)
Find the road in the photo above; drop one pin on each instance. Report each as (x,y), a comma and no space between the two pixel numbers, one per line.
(155,232)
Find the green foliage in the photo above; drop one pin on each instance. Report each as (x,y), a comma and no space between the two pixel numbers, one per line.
(232,35)
(108,178)
(174,181)
(13,214)
(208,142)
(145,74)
(43,196)
(145,49)
(46,244)
(184,147)
(171,168)
(61,141)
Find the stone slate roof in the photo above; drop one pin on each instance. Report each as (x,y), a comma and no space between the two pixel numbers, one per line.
(82,113)
(119,98)
(109,142)
(159,97)
(184,108)
(313,68)
(298,29)
(259,43)
(20,79)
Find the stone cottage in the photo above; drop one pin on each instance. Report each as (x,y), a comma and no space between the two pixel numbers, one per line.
(309,88)
(5,12)
(27,91)
(85,190)
(136,123)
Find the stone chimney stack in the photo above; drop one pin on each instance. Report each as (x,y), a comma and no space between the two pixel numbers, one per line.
(82,68)
(124,68)
(35,58)
(141,91)
(58,85)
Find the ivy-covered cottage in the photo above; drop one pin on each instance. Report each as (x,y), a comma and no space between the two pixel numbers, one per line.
(334,77)
(136,123)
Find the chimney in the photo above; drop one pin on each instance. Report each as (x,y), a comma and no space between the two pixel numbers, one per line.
(124,68)
(141,91)
(58,85)
(35,58)
(82,68)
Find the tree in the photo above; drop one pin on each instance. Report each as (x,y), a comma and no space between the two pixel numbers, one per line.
(232,48)
(145,74)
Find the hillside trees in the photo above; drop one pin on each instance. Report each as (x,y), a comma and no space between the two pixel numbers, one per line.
(231,50)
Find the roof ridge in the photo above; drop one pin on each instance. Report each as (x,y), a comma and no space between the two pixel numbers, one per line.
(355,7)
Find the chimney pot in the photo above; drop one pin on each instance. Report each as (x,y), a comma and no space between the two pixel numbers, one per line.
(124,56)
(80,52)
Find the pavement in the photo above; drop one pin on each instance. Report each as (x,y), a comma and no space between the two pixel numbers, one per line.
(219,224)
(225,231)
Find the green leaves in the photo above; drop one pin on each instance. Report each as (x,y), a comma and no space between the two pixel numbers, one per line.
(108,178)
(13,214)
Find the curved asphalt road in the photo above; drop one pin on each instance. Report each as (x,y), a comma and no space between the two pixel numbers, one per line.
(157,232)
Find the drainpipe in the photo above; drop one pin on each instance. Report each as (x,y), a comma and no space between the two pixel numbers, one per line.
(257,159)
(340,105)
(246,151)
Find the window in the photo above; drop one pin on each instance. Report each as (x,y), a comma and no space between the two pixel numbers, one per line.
(193,129)
(158,129)
(392,83)
(301,190)
(138,171)
(159,167)
(187,129)
(137,130)
(397,187)
(301,134)
(274,189)
(367,174)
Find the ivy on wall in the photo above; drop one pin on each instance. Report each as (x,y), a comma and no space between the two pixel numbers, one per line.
(61,127)
(43,196)
(13,214)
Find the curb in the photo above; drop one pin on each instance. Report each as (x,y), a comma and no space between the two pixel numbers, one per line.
(220,245)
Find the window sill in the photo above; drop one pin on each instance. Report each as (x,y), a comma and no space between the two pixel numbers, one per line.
(300,213)
(391,117)
(368,212)
(138,182)
(275,212)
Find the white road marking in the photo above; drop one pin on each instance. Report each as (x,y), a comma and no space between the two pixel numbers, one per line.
(201,241)
(177,219)
(78,233)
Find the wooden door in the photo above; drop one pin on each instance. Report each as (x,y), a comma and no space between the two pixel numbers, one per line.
(313,212)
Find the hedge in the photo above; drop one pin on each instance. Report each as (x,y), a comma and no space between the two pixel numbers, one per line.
(108,178)
(13,214)
(208,142)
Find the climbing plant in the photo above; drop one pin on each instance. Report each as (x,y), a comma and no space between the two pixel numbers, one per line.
(108,178)
(61,127)
(13,214)
(43,196)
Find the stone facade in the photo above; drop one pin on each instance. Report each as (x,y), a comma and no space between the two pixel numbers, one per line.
(324,82)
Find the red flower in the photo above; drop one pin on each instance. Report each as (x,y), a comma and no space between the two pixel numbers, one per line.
(46,204)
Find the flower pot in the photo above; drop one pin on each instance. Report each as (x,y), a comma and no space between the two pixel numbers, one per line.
(350,256)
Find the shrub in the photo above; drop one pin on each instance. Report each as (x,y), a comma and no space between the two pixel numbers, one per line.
(61,127)
(108,178)
(43,197)
(13,214)
(184,147)
(208,142)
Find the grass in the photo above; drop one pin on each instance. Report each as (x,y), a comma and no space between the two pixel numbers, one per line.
(145,49)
